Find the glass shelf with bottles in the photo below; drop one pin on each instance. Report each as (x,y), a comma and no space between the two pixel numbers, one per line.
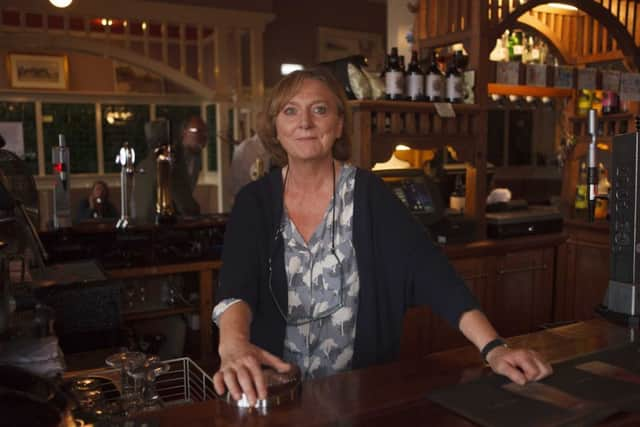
(517,46)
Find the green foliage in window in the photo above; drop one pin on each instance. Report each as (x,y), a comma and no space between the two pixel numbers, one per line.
(120,124)
(77,122)
(24,112)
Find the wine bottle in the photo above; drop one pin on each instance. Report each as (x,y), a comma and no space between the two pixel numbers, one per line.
(415,79)
(434,84)
(394,77)
(453,83)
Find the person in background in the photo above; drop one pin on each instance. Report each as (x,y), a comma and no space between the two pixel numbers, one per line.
(321,260)
(97,205)
(250,162)
(184,172)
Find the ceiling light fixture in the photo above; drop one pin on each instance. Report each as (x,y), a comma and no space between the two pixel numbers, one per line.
(563,6)
(289,68)
(60,3)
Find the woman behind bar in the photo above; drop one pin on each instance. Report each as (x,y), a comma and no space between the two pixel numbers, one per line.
(97,205)
(321,260)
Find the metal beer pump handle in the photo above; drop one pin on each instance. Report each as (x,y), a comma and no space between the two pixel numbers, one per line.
(126,159)
(592,171)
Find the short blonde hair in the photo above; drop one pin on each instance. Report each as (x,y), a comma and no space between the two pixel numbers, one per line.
(284,90)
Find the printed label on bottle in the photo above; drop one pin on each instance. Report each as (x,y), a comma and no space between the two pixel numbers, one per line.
(434,86)
(454,88)
(415,86)
(535,54)
(394,83)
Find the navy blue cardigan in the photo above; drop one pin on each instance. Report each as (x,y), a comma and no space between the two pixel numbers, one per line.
(398,265)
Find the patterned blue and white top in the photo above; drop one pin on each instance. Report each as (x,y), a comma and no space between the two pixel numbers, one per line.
(324,346)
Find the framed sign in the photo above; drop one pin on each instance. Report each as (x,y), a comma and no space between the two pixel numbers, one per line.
(27,71)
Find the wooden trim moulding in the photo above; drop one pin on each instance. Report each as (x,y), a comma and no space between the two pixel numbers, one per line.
(521,90)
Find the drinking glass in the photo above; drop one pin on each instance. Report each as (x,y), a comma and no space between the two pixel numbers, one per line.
(125,361)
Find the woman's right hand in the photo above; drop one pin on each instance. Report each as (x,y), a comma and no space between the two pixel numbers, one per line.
(241,370)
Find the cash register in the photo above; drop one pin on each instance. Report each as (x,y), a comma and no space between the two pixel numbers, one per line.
(421,195)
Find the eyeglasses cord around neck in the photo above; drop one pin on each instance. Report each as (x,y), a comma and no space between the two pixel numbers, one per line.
(333,252)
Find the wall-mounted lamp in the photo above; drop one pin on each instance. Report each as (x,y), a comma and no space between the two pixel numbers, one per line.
(60,3)
(289,68)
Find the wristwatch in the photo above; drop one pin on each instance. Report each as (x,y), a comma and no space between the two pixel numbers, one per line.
(497,342)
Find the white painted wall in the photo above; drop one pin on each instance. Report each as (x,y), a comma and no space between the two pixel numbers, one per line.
(399,23)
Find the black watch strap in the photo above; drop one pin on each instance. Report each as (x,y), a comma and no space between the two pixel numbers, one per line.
(498,342)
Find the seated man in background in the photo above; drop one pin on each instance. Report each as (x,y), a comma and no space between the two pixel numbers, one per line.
(97,205)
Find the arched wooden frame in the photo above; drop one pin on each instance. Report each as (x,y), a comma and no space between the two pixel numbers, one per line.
(595,10)
(42,42)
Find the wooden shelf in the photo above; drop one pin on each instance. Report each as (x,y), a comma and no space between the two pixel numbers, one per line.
(521,90)
(609,125)
(127,273)
(152,314)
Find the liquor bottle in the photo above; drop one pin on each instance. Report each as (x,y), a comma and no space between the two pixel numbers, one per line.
(405,84)
(457,198)
(535,51)
(386,65)
(434,84)
(580,203)
(527,45)
(394,77)
(415,79)
(453,83)
(585,99)
(602,198)
(516,46)
(610,102)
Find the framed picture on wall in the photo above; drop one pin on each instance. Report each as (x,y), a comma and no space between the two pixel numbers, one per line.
(334,43)
(30,71)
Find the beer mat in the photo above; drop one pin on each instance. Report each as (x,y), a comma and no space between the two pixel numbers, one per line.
(68,273)
(581,391)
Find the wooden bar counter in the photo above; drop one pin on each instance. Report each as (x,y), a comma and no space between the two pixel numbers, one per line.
(395,394)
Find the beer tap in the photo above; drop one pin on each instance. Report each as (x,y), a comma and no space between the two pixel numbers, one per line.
(165,157)
(126,159)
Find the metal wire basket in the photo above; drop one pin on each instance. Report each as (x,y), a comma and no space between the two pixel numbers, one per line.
(184,382)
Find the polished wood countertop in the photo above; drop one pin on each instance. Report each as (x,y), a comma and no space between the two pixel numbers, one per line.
(395,394)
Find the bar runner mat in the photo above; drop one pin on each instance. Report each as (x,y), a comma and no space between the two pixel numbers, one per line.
(581,391)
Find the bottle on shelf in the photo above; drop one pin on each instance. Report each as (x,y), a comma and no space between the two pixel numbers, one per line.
(386,65)
(453,83)
(394,77)
(415,79)
(458,197)
(610,102)
(602,198)
(516,46)
(433,80)
(585,98)
(581,201)
(534,52)
(405,86)
(499,52)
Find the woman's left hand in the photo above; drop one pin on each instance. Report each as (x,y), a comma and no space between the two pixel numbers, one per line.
(520,365)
